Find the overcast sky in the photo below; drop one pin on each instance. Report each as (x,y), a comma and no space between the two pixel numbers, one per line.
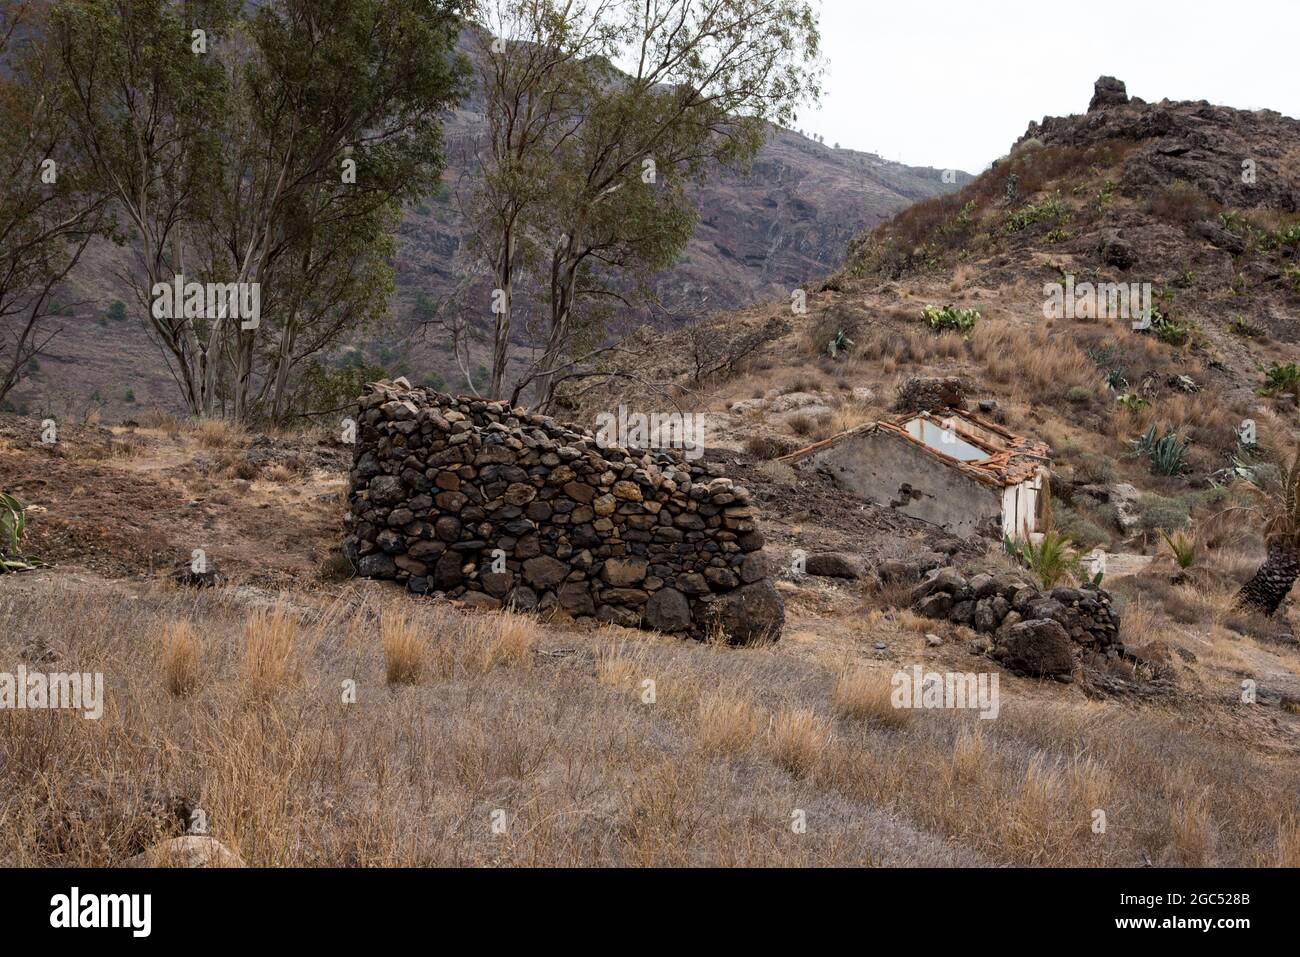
(952,84)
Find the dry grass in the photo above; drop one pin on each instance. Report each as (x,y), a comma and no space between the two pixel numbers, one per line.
(867,695)
(796,740)
(500,638)
(217,433)
(405,654)
(182,654)
(584,769)
(727,722)
(269,638)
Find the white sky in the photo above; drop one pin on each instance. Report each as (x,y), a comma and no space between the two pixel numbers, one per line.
(953,83)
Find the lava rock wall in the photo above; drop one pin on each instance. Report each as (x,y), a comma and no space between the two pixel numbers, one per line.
(500,507)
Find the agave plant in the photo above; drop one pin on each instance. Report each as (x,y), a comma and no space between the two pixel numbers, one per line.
(1166,452)
(13,523)
(1269,586)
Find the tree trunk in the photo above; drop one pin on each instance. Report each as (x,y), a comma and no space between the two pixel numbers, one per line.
(1269,586)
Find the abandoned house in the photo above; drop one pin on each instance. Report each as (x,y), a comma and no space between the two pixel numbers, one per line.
(947,467)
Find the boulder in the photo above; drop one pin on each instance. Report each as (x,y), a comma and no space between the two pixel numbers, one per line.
(668,611)
(750,614)
(1039,647)
(832,565)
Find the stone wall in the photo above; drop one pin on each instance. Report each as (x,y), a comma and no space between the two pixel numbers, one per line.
(1032,632)
(497,506)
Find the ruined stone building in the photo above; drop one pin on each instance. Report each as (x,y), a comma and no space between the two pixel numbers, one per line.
(948,467)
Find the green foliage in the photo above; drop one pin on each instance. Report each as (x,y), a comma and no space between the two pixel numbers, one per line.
(1081,529)
(1051,209)
(324,390)
(1051,560)
(1176,332)
(1131,401)
(1242,326)
(13,525)
(950,318)
(1281,378)
(840,343)
(1288,235)
(1157,513)
(1166,452)
(116,311)
(1182,546)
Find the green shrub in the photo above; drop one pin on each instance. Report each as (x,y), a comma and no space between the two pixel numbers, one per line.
(1095,469)
(1182,546)
(13,525)
(1050,560)
(1158,513)
(1167,452)
(1279,378)
(950,318)
(1050,209)
(1176,332)
(116,311)
(1081,529)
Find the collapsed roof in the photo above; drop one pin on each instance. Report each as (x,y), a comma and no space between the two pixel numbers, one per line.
(981,449)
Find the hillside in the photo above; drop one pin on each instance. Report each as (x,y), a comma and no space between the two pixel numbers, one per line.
(761,233)
(469,714)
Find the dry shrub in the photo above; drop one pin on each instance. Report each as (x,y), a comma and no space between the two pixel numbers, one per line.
(218,433)
(1033,362)
(1182,203)
(797,739)
(727,722)
(405,654)
(1140,622)
(499,638)
(867,694)
(269,639)
(769,446)
(280,474)
(127,448)
(182,654)
(617,664)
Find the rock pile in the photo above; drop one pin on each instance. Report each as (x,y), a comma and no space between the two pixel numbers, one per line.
(1033,632)
(500,507)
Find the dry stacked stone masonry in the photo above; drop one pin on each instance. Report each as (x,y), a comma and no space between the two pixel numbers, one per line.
(497,506)
(1033,633)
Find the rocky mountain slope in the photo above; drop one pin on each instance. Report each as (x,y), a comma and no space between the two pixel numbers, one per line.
(761,233)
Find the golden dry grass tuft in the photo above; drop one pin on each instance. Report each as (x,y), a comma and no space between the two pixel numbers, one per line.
(217,433)
(867,694)
(405,653)
(270,636)
(728,722)
(797,740)
(182,653)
